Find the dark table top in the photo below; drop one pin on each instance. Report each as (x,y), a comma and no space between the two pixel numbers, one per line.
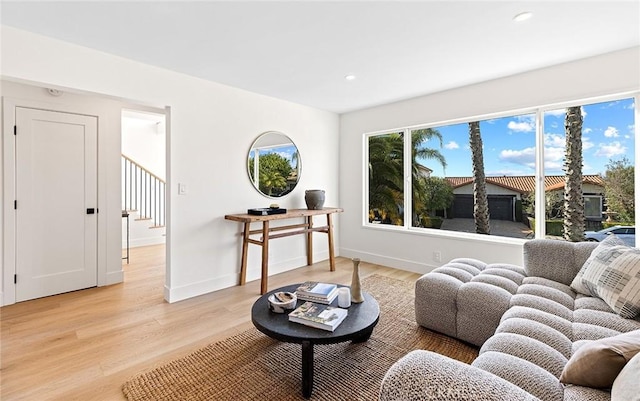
(361,318)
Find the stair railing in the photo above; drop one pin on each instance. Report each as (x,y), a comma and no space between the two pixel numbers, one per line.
(143,192)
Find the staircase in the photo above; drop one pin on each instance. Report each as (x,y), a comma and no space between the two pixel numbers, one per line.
(143,197)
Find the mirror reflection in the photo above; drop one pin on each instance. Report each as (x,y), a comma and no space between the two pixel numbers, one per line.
(274,164)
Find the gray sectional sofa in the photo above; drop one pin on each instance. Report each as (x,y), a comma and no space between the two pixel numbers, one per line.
(527,320)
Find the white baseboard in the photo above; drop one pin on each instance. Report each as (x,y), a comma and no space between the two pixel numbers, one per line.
(176,294)
(115,277)
(4,303)
(396,263)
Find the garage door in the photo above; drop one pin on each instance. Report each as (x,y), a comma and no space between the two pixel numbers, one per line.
(500,207)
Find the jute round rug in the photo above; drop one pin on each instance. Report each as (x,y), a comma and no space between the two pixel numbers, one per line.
(252,366)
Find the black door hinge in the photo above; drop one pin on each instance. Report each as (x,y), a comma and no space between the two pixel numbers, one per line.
(15,204)
(15,130)
(15,279)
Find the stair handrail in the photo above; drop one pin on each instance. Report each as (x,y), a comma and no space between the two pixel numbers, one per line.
(151,202)
(143,168)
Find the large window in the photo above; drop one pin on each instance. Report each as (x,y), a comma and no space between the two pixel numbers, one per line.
(480,176)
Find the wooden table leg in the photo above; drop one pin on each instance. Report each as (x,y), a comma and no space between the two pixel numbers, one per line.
(245,251)
(309,241)
(307,368)
(332,258)
(265,257)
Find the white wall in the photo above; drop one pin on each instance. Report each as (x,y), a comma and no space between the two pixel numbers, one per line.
(603,75)
(144,140)
(210,130)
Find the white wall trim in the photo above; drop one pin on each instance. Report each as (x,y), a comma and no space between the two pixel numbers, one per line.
(176,294)
(114,277)
(397,263)
(9,194)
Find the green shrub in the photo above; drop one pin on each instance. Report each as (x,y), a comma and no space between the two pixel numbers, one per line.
(552,227)
(431,222)
(607,224)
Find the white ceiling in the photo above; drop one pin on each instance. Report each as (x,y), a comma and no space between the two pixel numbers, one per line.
(301,50)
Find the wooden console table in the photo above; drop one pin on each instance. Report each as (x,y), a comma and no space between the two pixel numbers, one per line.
(266,233)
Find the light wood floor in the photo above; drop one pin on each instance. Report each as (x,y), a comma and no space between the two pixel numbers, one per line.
(83,345)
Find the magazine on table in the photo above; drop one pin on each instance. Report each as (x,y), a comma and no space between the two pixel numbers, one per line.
(322,300)
(317,292)
(319,316)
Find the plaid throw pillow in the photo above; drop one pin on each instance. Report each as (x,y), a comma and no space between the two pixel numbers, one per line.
(614,276)
(611,240)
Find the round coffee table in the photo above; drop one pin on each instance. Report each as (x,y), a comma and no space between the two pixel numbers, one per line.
(356,327)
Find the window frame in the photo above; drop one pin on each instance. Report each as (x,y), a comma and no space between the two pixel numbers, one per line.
(601,198)
(538,112)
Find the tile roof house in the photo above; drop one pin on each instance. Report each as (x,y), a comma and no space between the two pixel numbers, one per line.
(503,192)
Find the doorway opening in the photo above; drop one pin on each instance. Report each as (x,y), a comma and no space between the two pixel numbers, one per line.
(143,175)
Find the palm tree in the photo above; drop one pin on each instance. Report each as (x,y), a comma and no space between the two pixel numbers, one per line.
(419,184)
(386,177)
(386,170)
(270,180)
(480,202)
(573,213)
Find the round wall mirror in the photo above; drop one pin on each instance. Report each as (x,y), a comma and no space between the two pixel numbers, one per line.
(274,164)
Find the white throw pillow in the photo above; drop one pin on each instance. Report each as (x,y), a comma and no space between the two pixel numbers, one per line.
(614,276)
(604,246)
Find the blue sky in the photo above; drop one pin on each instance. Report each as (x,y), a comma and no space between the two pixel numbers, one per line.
(509,142)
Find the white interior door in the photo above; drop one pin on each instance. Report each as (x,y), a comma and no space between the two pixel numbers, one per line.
(56,188)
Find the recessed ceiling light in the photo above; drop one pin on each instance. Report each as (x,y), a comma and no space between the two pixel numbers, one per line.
(350,77)
(523,16)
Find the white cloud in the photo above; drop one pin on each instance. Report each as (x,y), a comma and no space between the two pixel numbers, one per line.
(558,141)
(587,130)
(611,149)
(525,156)
(548,166)
(631,106)
(522,126)
(554,140)
(587,144)
(553,154)
(452,145)
(611,132)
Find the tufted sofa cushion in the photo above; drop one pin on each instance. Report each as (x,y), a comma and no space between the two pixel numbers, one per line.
(545,324)
(466,298)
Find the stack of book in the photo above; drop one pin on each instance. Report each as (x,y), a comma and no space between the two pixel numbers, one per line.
(323,317)
(317,292)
